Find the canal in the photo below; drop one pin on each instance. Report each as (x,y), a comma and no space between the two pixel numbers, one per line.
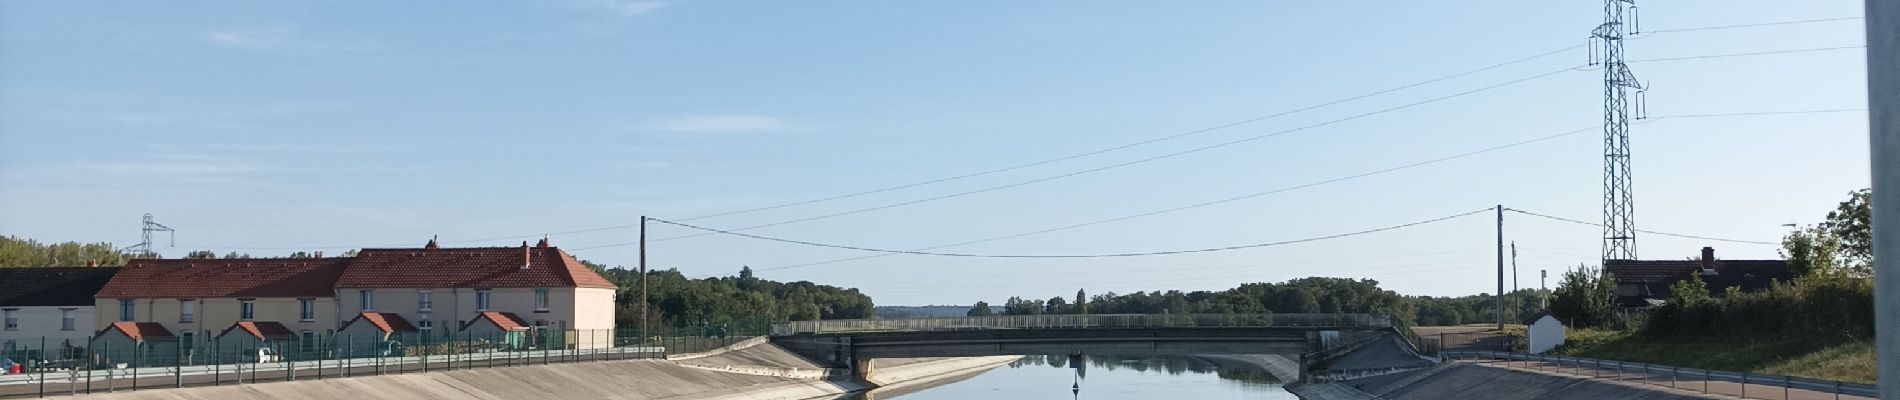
(1105,378)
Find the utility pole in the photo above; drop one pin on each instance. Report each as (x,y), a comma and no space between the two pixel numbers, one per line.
(1883,111)
(1500,299)
(1516,300)
(1619,215)
(644,304)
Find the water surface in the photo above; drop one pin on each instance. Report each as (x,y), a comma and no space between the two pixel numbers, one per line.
(1106,378)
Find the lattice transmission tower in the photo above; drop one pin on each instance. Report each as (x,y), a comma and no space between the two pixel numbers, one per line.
(1619,215)
(144,248)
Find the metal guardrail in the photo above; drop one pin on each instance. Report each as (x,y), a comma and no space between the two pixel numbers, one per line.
(1091,321)
(1559,363)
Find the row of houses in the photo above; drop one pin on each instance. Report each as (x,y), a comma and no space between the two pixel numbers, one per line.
(371,296)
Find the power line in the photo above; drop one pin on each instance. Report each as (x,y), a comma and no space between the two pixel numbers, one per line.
(1758,53)
(1151,270)
(1170,155)
(1291,188)
(1641,230)
(1145,142)
(1761,113)
(1754,25)
(1107,255)
(1184,134)
(1124,164)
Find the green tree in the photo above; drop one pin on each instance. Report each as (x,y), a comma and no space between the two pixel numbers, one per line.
(1690,291)
(1081,302)
(981,309)
(1841,244)
(1585,298)
(1056,305)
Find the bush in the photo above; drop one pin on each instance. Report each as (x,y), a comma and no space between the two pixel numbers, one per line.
(1822,307)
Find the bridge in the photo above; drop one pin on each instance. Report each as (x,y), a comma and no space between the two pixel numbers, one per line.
(853,343)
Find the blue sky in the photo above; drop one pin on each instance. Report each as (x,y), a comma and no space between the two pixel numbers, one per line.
(274,127)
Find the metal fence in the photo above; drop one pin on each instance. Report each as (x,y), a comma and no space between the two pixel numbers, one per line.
(1092,321)
(1705,381)
(94,365)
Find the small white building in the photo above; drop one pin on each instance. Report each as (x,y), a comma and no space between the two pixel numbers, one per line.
(1545,332)
(50,304)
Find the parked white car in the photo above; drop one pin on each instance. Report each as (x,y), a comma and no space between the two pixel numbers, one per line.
(265,355)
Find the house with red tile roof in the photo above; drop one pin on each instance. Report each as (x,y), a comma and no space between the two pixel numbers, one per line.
(245,337)
(558,300)
(125,341)
(196,299)
(369,332)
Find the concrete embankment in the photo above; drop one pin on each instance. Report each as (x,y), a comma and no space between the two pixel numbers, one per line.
(710,376)
(1470,381)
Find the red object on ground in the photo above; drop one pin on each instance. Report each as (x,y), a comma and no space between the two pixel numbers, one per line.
(18,369)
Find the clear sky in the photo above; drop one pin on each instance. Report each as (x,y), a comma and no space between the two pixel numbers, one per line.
(273,127)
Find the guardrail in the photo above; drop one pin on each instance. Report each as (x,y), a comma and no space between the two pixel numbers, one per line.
(1643,372)
(1093,321)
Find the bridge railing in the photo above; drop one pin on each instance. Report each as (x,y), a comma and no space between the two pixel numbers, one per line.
(1092,321)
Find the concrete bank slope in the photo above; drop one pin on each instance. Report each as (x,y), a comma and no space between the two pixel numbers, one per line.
(1475,381)
(632,379)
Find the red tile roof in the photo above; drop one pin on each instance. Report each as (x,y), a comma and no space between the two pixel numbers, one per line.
(138,331)
(471,267)
(260,330)
(385,322)
(505,321)
(202,278)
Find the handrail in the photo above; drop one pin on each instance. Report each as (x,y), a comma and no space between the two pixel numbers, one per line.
(1746,378)
(1088,321)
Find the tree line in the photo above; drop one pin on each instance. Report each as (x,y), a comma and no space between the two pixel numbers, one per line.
(744,301)
(1297,296)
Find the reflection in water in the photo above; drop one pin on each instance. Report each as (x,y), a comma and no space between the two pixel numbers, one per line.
(1105,378)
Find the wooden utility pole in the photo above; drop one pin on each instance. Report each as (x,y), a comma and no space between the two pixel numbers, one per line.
(1500,298)
(644,333)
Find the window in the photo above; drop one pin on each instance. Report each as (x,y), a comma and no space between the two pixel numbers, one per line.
(186,339)
(367,298)
(309,340)
(187,310)
(481,299)
(425,324)
(125,309)
(66,319)
(423,302)
(247,308)
(307,310)
(13,321)
(541,299)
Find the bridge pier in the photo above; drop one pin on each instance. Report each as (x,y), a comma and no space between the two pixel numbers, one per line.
(862,369)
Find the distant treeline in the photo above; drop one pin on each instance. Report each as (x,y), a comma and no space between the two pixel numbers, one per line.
(17,252)
(1298,296)
(740,302)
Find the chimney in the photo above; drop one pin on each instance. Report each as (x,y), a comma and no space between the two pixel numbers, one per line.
(432,245)
(526,258)
(543,244)
(319,254)
(1708,259)
(92,263)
